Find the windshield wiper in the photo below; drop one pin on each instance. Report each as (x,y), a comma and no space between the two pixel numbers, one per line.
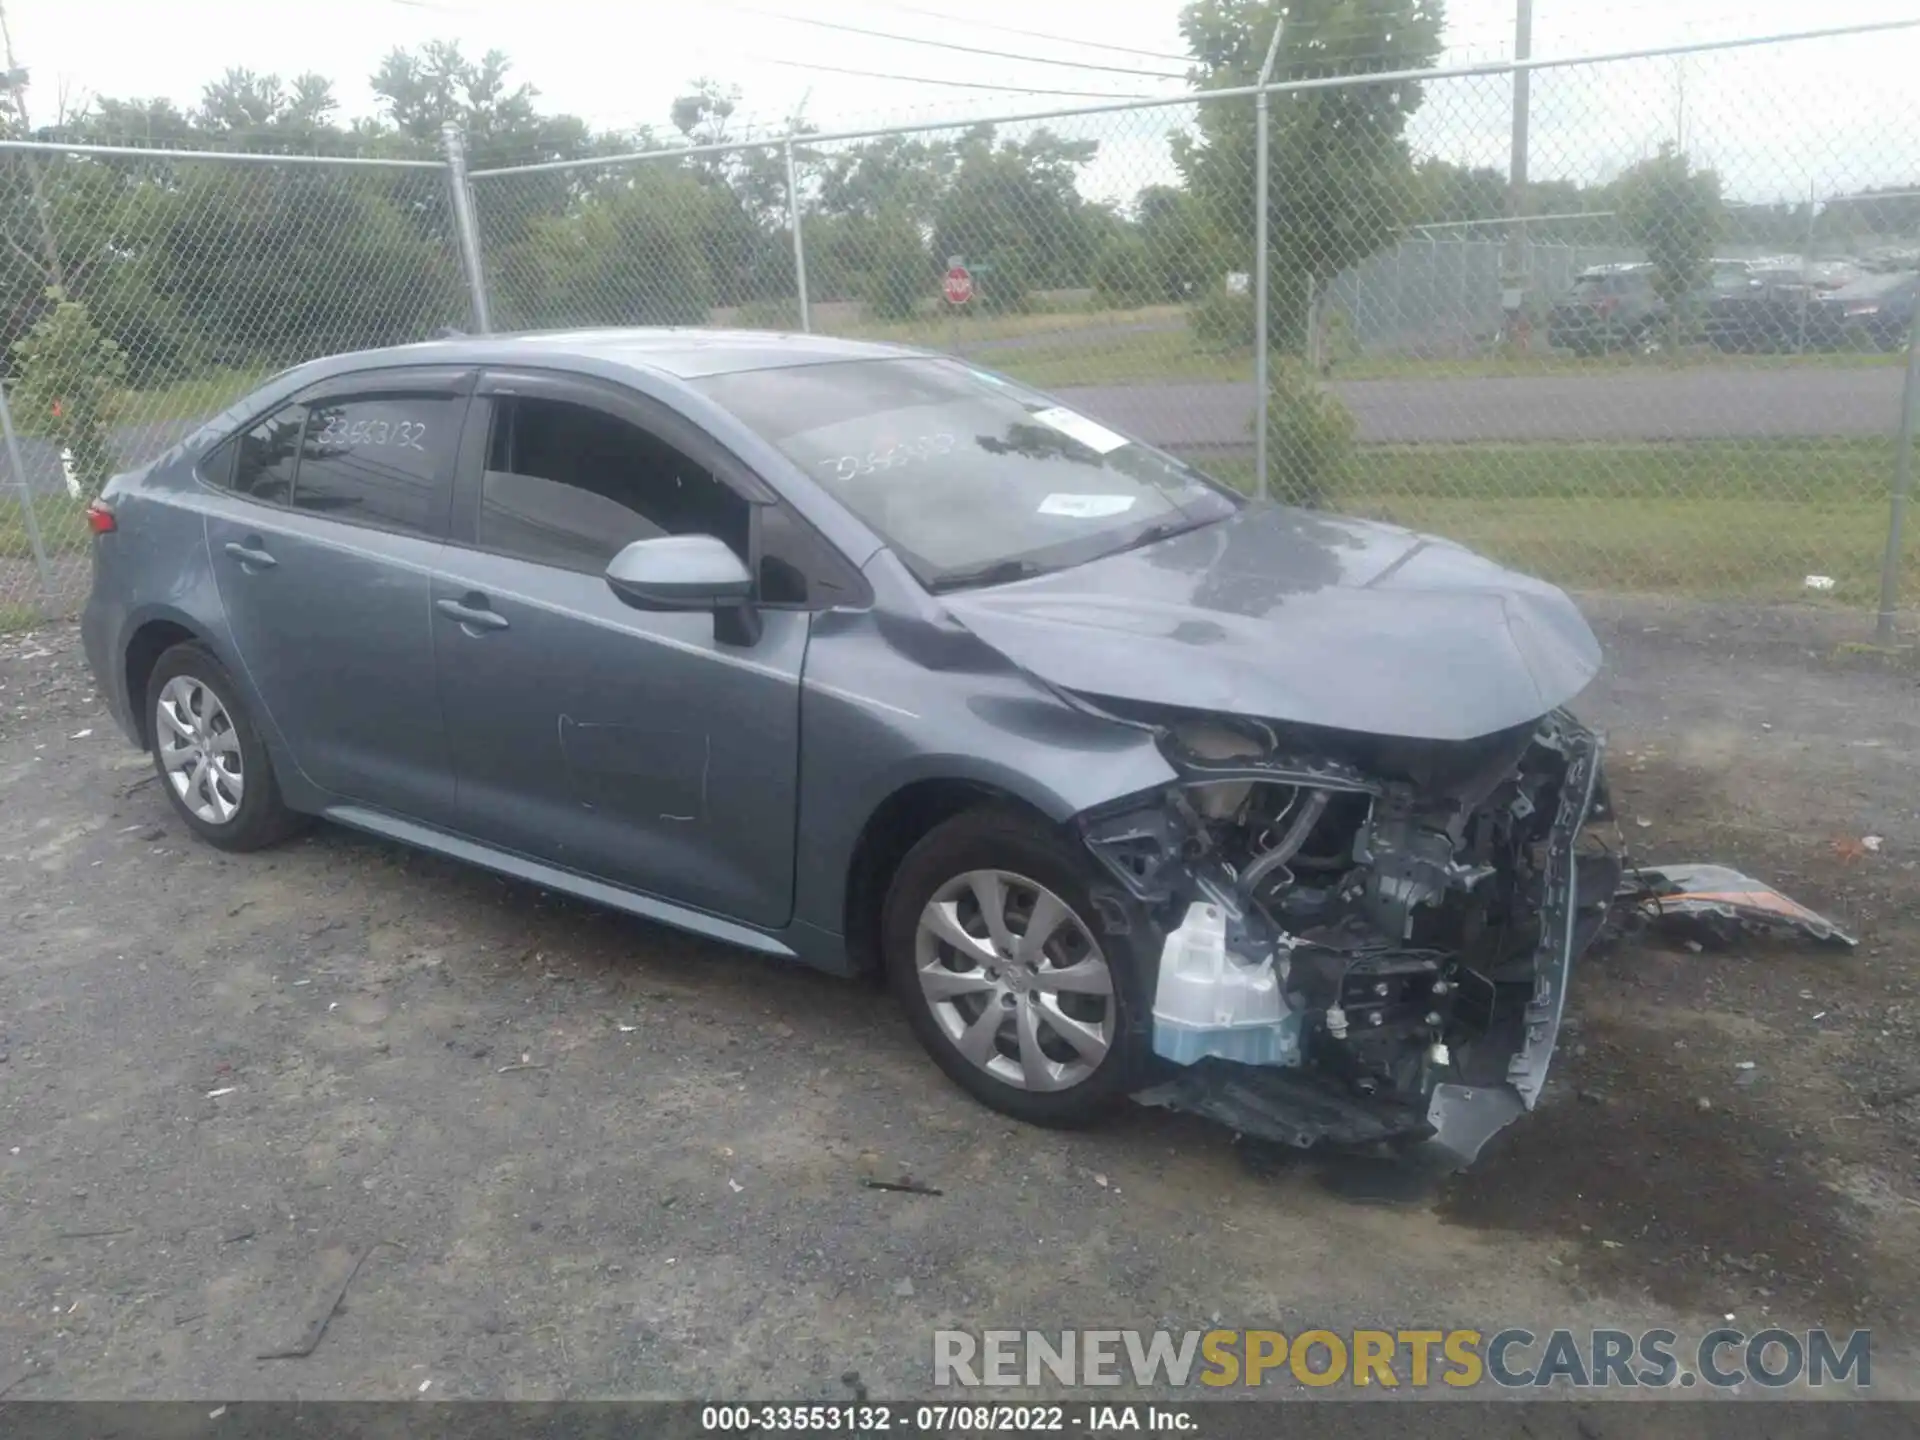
(1161,530)
(999,572)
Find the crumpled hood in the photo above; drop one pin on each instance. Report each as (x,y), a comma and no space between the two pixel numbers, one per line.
(1291,615)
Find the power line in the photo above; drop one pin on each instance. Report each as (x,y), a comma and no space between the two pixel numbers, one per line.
(964,49)
(954,84)
(1032,34)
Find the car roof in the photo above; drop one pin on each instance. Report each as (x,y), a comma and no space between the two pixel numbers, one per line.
(1875,284)
(684,353)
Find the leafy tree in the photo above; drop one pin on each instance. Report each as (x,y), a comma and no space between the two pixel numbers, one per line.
(1310,437)
(745,223)
(278,266)
(1342,174)
(894,172)
(1123,275)
(901,273)
(1014,212)
(1675,213)
(257,112)
(1443,192)
(426,90)
(627,256)
(70,379)
(1179,249)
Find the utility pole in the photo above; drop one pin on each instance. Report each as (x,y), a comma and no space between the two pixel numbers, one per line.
(1680,103)
(1517,262)
(16,82)
(1262,241)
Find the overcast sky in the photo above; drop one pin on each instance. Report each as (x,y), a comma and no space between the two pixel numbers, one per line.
(1830,114)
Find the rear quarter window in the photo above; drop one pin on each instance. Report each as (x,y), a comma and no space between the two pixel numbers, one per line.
(265,456)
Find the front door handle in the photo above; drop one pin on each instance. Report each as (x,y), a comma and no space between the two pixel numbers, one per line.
(251,556)
(473,617)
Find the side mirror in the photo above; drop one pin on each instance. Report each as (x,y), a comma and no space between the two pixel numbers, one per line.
(679,572)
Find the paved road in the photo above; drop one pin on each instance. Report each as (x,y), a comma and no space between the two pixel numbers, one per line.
(1660,405)
(135,445)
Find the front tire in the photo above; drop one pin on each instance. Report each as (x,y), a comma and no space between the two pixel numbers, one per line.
(1026,977)
(210,758)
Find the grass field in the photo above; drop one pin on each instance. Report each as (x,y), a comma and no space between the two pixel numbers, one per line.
(1730,520)
(191,398)
(1067,343)
(1720,520)
(63,526)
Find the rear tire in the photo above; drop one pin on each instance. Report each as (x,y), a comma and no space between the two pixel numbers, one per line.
(1055,1032)
(210,758)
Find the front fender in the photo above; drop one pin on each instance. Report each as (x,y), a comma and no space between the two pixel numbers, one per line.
(867,734)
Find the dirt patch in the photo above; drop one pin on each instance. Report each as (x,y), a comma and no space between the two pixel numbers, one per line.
(1719,1132)
(1706,1208)
(215,1069)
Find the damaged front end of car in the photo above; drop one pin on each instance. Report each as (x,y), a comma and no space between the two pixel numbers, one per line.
(1368,938)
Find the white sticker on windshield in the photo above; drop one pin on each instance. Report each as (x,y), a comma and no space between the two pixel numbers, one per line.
(1086,507)
(1090,433)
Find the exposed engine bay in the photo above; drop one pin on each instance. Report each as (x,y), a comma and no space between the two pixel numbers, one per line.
(1368,938)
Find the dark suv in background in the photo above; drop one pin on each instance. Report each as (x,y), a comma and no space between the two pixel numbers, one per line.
(1611,307)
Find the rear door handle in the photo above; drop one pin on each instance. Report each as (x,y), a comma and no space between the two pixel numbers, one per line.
(251,555)
(473,617)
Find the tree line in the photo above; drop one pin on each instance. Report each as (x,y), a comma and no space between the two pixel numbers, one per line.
(147,270)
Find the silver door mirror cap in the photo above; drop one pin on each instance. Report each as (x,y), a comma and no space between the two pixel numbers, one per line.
(679,572)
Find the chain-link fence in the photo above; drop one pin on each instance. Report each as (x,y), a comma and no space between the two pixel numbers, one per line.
(1645,331)
(142,291)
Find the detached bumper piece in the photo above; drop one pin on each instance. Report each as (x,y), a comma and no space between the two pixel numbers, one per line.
(1386,961)
(1721,905)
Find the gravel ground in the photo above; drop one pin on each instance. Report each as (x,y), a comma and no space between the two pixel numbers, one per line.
(585,1157)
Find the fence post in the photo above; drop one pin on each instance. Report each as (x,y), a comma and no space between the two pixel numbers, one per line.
(47,601)
(1260,184)
(1806,270)
(465,231)
(1902,487)
(799,245)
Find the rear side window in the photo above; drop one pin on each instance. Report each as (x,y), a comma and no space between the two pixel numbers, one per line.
(378,461)
(263,468)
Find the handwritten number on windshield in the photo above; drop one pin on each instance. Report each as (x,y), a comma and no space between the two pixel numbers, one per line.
(892,457)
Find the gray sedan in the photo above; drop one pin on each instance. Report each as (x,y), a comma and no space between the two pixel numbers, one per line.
(879,661)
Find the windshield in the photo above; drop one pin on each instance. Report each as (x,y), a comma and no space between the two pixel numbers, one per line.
(969,477)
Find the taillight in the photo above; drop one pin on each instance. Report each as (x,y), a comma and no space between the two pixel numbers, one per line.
(100,517)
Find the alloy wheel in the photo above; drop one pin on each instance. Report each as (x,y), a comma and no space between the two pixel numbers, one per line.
(1015,980)
(199,749)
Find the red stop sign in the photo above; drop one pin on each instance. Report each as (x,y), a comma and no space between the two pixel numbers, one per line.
(957,286)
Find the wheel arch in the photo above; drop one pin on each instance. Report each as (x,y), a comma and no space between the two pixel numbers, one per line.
(893,827)
(147,640)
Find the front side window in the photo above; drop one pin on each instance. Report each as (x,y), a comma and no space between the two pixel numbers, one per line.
(967,476)
(378,460)
(572,486)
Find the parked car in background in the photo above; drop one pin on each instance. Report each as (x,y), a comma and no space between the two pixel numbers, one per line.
(1765,306)
(871,659)
(1611,307)
(1875,312)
